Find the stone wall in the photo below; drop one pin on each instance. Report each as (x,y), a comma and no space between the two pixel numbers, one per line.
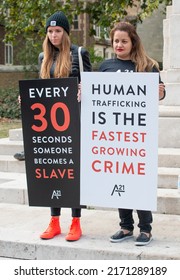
(151,34)
(10,76)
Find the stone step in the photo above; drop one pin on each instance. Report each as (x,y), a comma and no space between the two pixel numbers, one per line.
(21,225)
(9,147)
(171,76)
(169,123)
(13,189)
(172,95)
(169,111)
(16,134)
(168,201)
(169,157)
(9,164)
(169,132)
(167,176)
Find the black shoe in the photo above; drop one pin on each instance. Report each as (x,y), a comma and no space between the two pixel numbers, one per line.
(120,236)
(20,156)
(143,239)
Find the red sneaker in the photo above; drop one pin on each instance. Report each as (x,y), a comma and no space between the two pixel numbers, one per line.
(52,230)
(75,231)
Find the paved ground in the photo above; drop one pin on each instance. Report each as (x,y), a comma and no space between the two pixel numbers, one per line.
(20,226)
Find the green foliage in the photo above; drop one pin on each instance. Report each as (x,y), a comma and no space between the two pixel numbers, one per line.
(94,58)
(28,55)
(27,18)
(9,106)
(148,6)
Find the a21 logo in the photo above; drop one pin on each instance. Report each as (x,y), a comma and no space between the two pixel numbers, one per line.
(56,194)
(118,189)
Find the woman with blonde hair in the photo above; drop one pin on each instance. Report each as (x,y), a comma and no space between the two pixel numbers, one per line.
(60,60)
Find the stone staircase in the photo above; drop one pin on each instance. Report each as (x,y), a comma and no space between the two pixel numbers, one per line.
(20,225)
(169,159)
(168,171)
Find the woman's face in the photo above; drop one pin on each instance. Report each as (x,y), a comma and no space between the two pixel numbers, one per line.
(55,35)
(122,45)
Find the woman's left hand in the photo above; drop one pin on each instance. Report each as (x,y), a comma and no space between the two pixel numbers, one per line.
(79,93)
(161,91)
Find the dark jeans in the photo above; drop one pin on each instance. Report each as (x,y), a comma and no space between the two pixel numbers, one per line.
(127,221)
(76,212)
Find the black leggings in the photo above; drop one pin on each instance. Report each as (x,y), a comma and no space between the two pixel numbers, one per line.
(76,212)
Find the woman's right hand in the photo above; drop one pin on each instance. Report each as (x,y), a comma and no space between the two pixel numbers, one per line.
(19,99)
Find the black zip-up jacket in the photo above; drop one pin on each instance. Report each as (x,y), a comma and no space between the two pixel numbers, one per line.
(75,71)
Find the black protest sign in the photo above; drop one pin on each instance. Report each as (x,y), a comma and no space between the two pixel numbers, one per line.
(51,133)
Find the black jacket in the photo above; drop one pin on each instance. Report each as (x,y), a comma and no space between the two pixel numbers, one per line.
(75,72)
